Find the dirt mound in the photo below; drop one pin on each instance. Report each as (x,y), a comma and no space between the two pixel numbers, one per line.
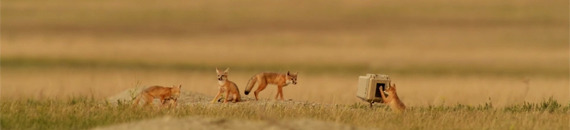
(194,98)
(206,123)
(186,98)
(203,123)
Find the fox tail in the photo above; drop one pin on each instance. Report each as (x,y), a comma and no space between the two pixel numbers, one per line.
(250,84)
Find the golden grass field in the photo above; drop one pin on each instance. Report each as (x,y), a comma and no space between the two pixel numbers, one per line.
(439,52)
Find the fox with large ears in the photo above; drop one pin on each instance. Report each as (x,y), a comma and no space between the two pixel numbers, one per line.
(226,86)
(392,99)
(281,80)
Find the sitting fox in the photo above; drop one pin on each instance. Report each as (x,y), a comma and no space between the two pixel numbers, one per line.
(165,94)
(393,100)
(227,86)
(281,80)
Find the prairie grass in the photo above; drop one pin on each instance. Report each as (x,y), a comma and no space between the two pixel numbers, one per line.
(482,64)
(87,112)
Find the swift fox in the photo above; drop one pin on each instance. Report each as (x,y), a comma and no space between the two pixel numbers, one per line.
(281,80)
(393,100)
(227,86)
(165,94)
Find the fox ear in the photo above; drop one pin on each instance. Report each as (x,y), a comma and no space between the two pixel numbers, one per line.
(288,73)
(296,73)
(217,71)
(227,70)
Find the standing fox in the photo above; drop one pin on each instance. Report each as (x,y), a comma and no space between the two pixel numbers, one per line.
(163,93)
(393,100)
(231,89)
(281,80)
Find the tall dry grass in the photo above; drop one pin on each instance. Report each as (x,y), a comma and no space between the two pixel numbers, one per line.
(84,112)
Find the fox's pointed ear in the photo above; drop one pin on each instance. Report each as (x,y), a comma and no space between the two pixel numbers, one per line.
(296,73)
(227,70)
(217,71)
(288,73)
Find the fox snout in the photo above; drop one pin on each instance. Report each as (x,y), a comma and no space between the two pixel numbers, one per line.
(291,82)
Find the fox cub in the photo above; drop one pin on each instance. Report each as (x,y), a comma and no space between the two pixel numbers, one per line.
(281,80)
(165,94)
(393,100)
(227,86)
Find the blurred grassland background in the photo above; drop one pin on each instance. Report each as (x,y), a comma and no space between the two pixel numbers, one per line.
(437,51)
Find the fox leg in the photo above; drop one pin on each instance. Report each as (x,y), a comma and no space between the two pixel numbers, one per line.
(385,99)
(277,95)
(163,101)
(238,98)
(137,99)
(235,98)
(148,99)
(227,96)
(217,96)
(169,102)
(262,85)
(279,92)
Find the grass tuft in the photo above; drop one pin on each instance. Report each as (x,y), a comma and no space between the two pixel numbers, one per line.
(550,105)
